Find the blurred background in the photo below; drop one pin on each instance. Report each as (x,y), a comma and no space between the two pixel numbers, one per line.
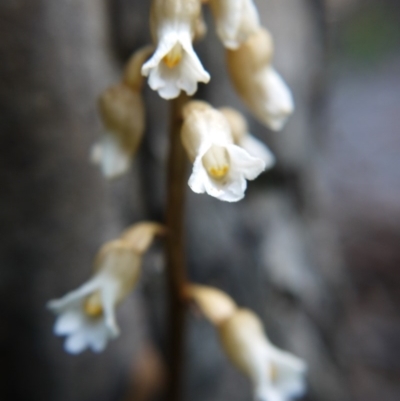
(314,248)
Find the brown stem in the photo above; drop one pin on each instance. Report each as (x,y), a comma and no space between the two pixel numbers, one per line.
(176,273)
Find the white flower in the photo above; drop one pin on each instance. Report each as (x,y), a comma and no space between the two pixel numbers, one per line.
(122,113)
(256,81)
(244,139)
(276,375)
(174,65)
(87,315)
(235,20)
(220,167)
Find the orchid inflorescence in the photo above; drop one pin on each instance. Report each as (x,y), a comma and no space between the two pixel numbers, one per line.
(224,156)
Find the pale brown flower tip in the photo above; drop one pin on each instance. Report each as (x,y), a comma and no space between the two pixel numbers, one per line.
(141,235)
(214,304)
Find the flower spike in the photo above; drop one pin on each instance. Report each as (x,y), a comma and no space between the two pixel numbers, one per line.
(174,65)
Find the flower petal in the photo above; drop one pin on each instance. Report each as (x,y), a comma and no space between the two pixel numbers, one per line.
(258,149)
(241,162)
(76,343)
(68,322)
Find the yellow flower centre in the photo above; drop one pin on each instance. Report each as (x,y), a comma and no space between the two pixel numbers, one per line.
(174,56)
(216,161)
(93,306)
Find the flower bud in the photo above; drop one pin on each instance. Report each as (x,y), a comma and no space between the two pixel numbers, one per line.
(122,112)
(275,374)
(244,139)
(220,167)
(174,65)
(214,304)
(259,85)
(133,70)
(235,20)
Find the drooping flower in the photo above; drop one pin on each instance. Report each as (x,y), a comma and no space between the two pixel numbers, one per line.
(86,316)
(235,20)
(244,139)
(122,113)
(220,167)
(276,375)
(174,65)
(261,88)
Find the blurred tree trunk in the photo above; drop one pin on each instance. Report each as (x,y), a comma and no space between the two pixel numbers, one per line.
(273,252)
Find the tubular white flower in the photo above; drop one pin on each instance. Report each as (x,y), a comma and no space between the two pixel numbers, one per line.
(220,167)
(244,139)
(87,315)
(122,112)
(235,20)
(276,375)
(262,89)
(174,65)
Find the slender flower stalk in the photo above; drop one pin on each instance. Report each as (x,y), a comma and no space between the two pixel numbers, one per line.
(175,259)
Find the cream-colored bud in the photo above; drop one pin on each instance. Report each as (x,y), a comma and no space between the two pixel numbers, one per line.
(275,374)
(122,112)
(123,116)
(255,53)
(217,162)
(237,123)
(133,70)
(214,304)
(259,85)
(235,20)
(141,235)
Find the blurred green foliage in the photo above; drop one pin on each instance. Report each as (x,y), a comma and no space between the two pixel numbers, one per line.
(371,33)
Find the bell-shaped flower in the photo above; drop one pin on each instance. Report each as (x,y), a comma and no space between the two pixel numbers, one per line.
(174,65)
(123,116)
(214,304)
(276,375)
(220,167)
(235,20)
(86,316)
(244,139)
(258,84)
